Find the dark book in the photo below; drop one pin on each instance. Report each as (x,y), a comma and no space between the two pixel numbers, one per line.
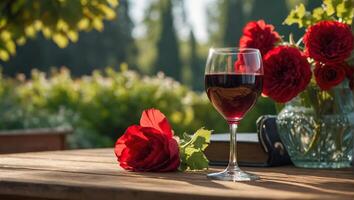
(262,149)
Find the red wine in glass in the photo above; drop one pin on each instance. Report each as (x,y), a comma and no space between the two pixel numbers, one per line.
(233,82)
(233,95)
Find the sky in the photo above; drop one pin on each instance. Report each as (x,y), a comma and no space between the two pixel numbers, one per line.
(195,11)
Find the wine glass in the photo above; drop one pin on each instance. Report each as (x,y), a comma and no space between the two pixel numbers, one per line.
(233,82)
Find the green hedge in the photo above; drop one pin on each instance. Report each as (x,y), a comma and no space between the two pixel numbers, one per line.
(101,106)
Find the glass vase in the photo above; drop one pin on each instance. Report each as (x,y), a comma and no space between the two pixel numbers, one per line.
(317,127)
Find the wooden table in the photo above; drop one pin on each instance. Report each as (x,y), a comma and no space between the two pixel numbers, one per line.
(95,174)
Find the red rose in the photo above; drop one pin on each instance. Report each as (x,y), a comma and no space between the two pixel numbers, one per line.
(150,146)
(328,41)
(329,75)
(259,35)
(286,73)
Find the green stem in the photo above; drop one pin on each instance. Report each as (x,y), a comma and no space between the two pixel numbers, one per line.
(313,99)
(315,139)
(279,107)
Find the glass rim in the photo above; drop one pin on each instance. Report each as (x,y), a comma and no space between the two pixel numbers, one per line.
(233,50)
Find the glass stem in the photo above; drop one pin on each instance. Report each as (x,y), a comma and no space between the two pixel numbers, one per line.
(233,166)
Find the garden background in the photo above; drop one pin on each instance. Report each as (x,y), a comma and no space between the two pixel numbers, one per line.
(100,83)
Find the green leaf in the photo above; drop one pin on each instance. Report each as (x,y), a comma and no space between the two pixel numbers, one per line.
(318,13)
(329,7)
(191,150)
(197,160)
(345,11)
(113,3)
(201,139)
(298,16)
(58,20)
(185,138)
(301,11)
(4,55)
(340,10)
(60,40)
(73,36)
(11,47)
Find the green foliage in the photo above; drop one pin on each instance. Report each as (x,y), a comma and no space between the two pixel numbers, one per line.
(191,150)
(58,20)
(341,10)
(20,117)
(100,107)
(94,50)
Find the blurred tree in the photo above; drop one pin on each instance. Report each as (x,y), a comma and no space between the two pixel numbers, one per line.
(233,22)
(59,20)
(276,11)
(311,4)
(214,13)
(272,11)
(195,64)
(226,20)
(147,43)
(168,56)
(110,47)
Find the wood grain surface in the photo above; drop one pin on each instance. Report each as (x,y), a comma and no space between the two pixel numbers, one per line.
(95,174)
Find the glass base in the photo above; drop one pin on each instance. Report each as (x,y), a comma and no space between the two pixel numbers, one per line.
(234,175)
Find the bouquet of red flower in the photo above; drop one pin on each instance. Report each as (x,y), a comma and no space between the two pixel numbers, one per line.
(289,66)
(315,75)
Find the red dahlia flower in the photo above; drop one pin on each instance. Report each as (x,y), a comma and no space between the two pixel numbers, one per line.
(328,42)
(259,35)
(286,73)
(150,146)
(329,75)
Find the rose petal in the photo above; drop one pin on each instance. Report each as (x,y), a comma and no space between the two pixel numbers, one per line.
(121,142)
(155,119)
(164,154)
(123,159)
(141,150)
(124,144)
(158,152)
(173,160)
(172,166)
